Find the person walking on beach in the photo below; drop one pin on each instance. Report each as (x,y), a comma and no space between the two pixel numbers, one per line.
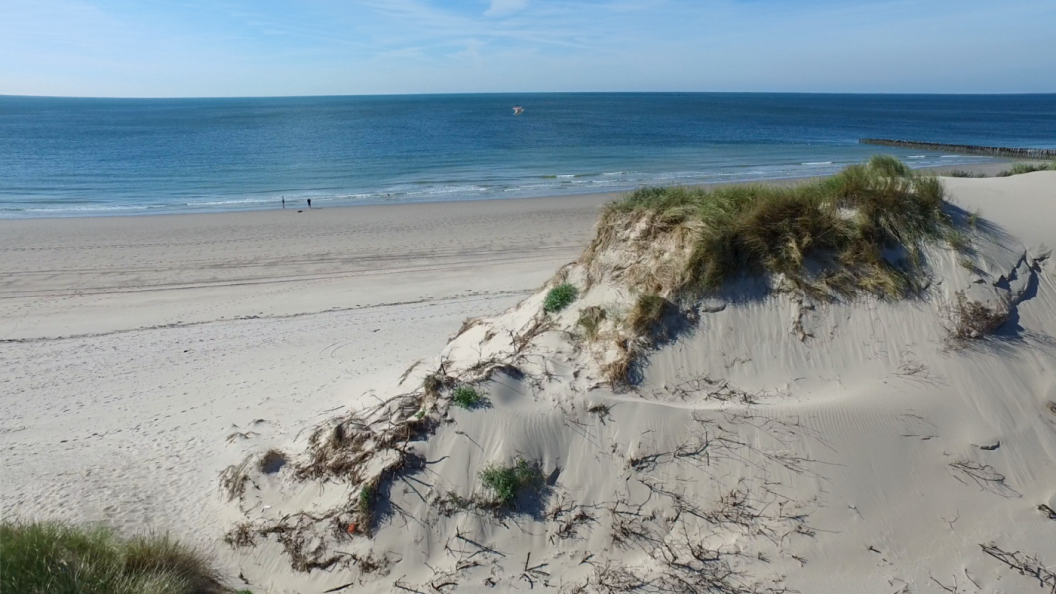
(309,203)
(284,202)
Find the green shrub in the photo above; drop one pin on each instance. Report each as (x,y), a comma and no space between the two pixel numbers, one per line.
(52,558)
(366,499)
(505,482)
(467,397)
(845,223)
(560,297)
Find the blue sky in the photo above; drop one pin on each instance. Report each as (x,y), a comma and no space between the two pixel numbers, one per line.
(191,48)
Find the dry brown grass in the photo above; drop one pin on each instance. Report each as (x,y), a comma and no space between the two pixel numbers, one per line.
(973,320)
(590,320)
(648,314)
(618,371)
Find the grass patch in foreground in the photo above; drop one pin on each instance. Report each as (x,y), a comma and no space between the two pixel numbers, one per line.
(560,297)
(861,230)
(507,481)
(467,397)
(51,558)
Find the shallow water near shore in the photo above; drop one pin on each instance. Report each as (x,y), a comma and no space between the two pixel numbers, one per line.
(85,157)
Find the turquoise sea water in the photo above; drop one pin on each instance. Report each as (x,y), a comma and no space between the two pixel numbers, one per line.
(82,157)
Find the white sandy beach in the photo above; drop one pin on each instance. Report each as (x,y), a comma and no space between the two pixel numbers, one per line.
(134,347)
(142,356)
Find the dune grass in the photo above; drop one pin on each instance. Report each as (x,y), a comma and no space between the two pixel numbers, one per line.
(467,397)
(590,320)
(51,558)
(1016,169)
(505,482)
(648,313)
(963,173)
(1020,168)
(560,297)
(861,230)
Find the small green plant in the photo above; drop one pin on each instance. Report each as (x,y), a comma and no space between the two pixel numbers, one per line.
(419,415)
(590,319)
(467,397)
(560,297)
(973,219)
(505,482)
(366,500)
(53,558)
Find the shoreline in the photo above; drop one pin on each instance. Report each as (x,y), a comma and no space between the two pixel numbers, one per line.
(81,276)
(64,277)
(990,168)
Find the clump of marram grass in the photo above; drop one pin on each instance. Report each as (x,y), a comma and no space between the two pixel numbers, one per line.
(506,482)
(1021,168)
(365,500)
(590,320)
(619,370)
(365,507)
(648,313)
(845,227)
(53,558)
(963,173)
(560,297)
(959,240)
(467,397)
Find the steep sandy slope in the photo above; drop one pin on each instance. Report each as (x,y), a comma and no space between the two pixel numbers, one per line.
(764,441)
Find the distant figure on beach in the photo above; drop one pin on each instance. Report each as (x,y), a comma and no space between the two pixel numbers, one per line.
(309,203)
(283,202)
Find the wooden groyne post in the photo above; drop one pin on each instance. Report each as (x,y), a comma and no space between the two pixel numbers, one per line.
(966,149)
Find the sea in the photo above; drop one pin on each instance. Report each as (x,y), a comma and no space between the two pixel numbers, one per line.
(62,157)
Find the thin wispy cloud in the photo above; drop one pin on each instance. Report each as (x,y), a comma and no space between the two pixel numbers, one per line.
(278,47)
(505,7)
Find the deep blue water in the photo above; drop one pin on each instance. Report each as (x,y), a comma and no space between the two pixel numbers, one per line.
(77,157)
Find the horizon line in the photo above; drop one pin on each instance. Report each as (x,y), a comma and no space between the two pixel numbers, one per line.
(347,95)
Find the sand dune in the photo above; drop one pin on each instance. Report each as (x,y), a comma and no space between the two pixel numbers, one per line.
(773,442)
